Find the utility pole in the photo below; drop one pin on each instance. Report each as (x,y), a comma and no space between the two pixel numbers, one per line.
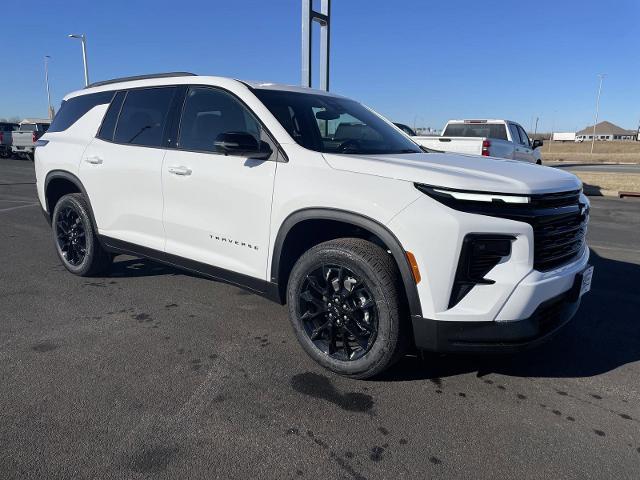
(83,38)
(46,81)
(593,139)
(535,130)
(323,17)
(553,126)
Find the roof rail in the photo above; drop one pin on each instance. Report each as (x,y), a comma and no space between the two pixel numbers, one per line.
(140,77)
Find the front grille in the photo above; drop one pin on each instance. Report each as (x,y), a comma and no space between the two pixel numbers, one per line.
(558,239)
(558,219)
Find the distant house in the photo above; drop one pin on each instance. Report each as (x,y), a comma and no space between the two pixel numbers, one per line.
(606,131)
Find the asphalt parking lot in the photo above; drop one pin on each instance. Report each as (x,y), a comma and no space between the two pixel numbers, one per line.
(152,373)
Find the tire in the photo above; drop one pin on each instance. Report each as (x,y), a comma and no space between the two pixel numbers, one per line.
(371,307)
(539,162)
(74,237)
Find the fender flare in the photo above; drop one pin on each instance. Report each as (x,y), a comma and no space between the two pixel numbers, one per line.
(55,174)
(358,220)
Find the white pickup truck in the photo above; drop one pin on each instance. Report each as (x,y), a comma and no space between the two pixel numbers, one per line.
(25,138)
(490,138)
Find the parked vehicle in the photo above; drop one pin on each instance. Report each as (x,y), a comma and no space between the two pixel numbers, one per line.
(406,129)
(6,129)
(563,136)
(490,138)
(315,201)
(28,133)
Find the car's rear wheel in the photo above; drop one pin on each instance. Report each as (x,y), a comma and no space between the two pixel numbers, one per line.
(343,298)
(75,238)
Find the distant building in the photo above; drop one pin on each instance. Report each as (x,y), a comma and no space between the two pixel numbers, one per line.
(606,131)
(35,120)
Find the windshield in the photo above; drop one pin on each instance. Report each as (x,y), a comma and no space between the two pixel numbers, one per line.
(488,130)
(334,125)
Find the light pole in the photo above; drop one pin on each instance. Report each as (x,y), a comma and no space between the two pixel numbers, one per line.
(593,139)
(83,39)
(46,80)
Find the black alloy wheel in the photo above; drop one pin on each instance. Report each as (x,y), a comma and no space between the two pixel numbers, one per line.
(338,312)
(71,235)
(74,236)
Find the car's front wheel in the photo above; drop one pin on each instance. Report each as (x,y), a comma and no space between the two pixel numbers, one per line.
(75,238)
(344,305)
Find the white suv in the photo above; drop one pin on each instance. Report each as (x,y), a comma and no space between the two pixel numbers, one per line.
(316,201)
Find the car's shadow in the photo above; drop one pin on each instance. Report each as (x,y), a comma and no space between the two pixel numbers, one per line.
(604,335)
(139,267)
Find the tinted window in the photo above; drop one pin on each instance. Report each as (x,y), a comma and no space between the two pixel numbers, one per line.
(209,112)
(409,131)
(333,124)
(28,127)
(488,130)
(111,117)
(143,116)
(71,110)
(524,138)
(8,127)
(515,135)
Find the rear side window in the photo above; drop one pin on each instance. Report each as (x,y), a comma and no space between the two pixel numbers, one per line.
(73,109)
(208,113)
(143,116)
(111,117)
(488,130)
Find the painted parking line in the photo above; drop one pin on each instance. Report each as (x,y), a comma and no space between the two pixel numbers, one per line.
(19,206)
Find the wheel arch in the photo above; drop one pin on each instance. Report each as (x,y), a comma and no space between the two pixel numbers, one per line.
(58,183)
(283,259)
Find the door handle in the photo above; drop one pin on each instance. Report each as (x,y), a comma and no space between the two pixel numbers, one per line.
(180,170)
(94,160)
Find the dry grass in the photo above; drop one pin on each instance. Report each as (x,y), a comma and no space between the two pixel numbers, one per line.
(602,152)
(610,181)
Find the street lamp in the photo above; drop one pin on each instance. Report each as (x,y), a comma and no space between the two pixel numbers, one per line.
(46,80)
(593,139)
(83,39)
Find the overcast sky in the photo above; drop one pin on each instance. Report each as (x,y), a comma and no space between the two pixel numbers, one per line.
(416,62)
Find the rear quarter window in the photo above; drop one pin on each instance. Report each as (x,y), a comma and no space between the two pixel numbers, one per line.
(73,109)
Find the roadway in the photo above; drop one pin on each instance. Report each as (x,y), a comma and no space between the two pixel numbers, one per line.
(596,167)
(152,373)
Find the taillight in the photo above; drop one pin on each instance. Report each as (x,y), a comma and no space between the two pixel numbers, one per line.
(33,137)
(485,147)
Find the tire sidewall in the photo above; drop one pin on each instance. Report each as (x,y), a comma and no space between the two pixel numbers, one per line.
(386,339)
(74,202)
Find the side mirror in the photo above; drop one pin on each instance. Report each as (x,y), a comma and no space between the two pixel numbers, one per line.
(537,143)
(242,144)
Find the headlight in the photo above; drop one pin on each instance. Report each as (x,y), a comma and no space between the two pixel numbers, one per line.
(444,194)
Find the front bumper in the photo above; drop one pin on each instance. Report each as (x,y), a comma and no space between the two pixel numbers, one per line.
(499,336)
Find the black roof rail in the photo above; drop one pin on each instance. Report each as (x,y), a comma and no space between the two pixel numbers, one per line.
(141,77)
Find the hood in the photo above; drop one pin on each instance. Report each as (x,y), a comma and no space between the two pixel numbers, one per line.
(464,172)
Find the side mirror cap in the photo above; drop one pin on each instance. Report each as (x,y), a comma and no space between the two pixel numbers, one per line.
(242,144)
